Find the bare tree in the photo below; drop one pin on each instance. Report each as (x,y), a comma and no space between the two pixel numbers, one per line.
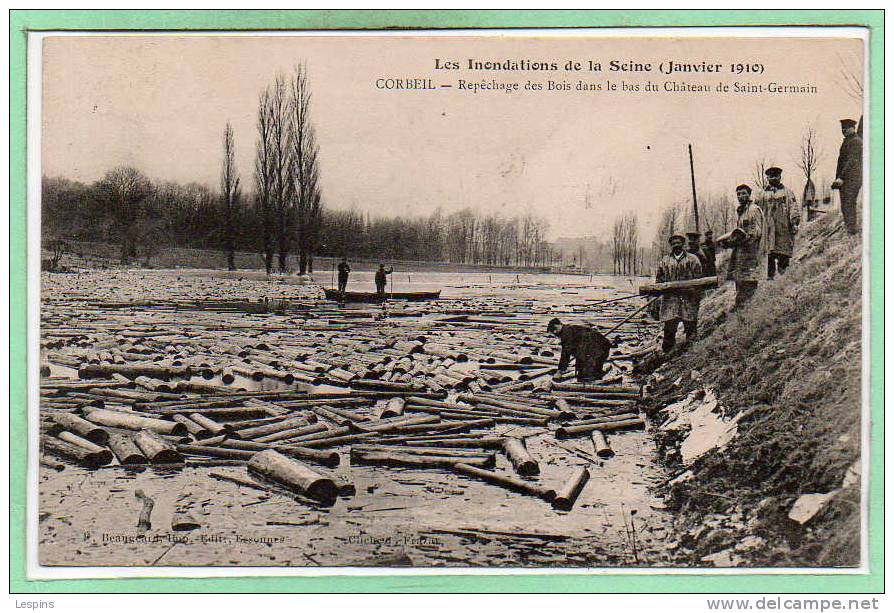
(759,171)
(264,179)
(231,193)
(617,245)
(808,161)
(304,168)
(280,149)
(126,190)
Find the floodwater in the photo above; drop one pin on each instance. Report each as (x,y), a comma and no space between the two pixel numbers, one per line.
(398,516)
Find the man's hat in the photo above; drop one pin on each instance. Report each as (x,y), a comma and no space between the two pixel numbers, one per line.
(745,187)
(555,321)
(848,123)
(676,235)
(773,171)
(693,235)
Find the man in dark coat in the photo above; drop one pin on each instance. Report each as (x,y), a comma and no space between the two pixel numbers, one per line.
(709,250)
(694,247)
(343,271)
(587,346)
(849,173)
(382,278)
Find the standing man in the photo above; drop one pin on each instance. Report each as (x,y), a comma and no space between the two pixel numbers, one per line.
(678,305)
(781,217)
(343,271)
(382,279)
(587,346)
(694,247)
(710,252)
(849,174)
(746,264)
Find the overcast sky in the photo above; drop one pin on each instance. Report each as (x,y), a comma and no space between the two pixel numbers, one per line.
(160,103)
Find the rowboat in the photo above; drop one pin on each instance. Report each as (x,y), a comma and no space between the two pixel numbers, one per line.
(333,294)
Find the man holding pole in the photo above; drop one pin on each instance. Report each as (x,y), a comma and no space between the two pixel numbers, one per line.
(746,263)
(382,279)
(849,173)
(777,202)
(587,346)
(679,305)
(343,271)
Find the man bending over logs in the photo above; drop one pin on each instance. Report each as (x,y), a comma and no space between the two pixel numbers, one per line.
(587,346)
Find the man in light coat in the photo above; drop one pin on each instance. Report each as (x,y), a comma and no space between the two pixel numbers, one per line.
(746,263)
(678,305)
(781,217)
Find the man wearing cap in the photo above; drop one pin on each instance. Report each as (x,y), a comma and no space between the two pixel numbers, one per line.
(709,250)
(746,263)
(781,217)
(678,305)
(694,247)
(849,173)
(587,346)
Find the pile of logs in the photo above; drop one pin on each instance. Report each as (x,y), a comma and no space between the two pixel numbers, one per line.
(296,394)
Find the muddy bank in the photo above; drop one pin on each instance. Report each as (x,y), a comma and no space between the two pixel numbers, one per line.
(759,423)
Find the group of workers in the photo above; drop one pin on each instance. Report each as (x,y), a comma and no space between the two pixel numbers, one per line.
(761,247)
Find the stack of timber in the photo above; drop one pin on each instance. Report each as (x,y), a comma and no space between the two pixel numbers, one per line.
(296,393)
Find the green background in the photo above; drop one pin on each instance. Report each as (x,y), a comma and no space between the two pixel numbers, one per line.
(23,21)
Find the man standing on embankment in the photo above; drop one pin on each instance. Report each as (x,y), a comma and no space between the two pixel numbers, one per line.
(746,263)
(777,202)
(849,173)
(343,271)
(678,305)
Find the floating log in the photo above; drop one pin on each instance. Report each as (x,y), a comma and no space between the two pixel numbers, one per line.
(51,463)
(89,431)
(125,449)
(290,423)
(568,493)
(211,426)
(416,460)
(506,481)
(600,445)
(293,474)
(572,431)
(192,427)
(521,459)
(687,284)
(132,371)
(293,433)
(118,419)
(326,458)
(633,390)
(75,453)
(215,452)
(394,407)
(156,449)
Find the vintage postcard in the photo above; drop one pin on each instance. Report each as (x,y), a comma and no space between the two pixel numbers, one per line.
(472,300)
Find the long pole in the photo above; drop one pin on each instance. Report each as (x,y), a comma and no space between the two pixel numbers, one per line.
(631,316)
(694,198)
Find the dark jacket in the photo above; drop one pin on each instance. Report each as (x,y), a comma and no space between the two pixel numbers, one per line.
(343,270)
(709,266)
(583,343)
(382,276)
(850,160)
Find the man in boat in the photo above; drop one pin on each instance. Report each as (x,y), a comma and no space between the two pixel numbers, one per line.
(678,305)
(709,250)
(587,346)
(343,271)
(781,217)
(382,279)
(849,173)
(746,263)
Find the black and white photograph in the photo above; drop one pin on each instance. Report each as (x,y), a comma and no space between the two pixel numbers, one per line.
(523,299)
